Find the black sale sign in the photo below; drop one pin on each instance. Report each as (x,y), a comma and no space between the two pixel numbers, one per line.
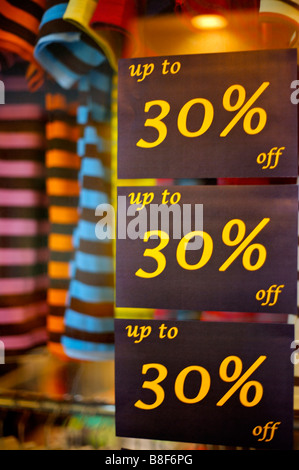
(209,383)
(223,248)
(208,115)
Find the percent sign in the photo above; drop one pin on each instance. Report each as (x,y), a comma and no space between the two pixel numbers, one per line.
(241,383)
(244,109)
(244,244)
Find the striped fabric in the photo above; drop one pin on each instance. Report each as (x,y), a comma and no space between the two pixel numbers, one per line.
(62,167)
(23,216)
(66,53)
(105,21)
(19,23)
(89,319)
(73,59)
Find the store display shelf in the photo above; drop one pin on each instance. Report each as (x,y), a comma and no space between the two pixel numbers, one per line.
(18,400)
(39,382)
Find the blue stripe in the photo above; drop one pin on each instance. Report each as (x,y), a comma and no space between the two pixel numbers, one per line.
(87,323)
(84,84)
(64,76)
(82,115)
(91,199)
(92,294)
(93,166)
(87,54)
(100,113)
(85,346)
(54,13)
(88,232)
(94,264)
(91,136)
(100,81)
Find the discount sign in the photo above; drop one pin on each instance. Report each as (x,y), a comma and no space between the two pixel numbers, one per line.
(187,381)
(208,116)
(226,248)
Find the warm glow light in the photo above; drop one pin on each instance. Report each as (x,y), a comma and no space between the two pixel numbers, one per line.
(209,22)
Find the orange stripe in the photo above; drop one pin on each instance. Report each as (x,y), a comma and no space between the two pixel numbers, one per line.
(57,350)
(58,270)
(57,297)
(59,242)
(60,129)
(63,215)
(59,187)
(55,324)
(62,159)
(20,17)
(18,46)
(55,102)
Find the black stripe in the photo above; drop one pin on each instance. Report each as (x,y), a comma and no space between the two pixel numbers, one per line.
(107,338)
(64,173)
(56,311)
(95,279)
(58,26)
(103,309)
(63,229)
(24,213)
(61,256)
(91,151)
(62,144)
(100,249)
(68,58)
(89,215)
(17,29)
(65,201)
(22,328)
(38,241)
(15,97)
(97,248)
(36,184)
(29,7)
(96,184)
(58,115)
(54,337)
(62,284)
(22,300)
(23,271)
(22,126)
(25,154)
(100,96)
(53,3)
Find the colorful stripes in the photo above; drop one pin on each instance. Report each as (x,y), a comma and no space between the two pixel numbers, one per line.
(18,33)
(89,318)
(62,50)
(62,164)
(23,217)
